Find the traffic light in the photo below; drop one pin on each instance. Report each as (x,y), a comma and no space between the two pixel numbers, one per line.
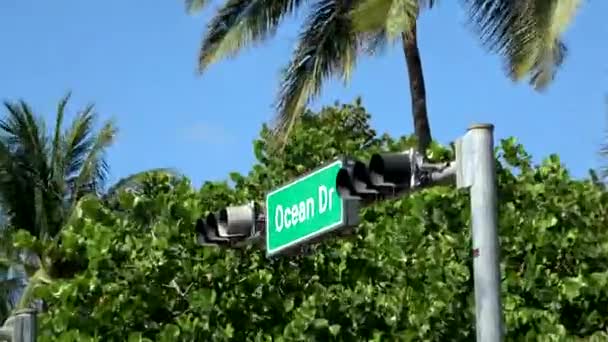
(353,181)
(228,225)
(387,175)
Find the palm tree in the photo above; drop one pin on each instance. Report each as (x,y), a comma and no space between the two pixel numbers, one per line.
(525,32)
(328,43)
(42,176)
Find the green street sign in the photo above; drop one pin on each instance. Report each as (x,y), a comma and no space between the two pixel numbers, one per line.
(304,209)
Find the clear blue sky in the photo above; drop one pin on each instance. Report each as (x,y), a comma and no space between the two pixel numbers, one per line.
(137,63)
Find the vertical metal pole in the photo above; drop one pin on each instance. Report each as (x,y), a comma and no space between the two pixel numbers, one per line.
(486,249)
(25,326)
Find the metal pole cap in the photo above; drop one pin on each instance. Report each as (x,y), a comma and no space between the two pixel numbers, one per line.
(481,126)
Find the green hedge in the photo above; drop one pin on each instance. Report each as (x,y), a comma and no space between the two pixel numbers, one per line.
(404,276)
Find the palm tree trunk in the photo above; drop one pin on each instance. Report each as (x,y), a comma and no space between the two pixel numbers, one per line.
(422,128)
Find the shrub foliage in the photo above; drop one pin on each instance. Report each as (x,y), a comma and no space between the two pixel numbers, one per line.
(405,275)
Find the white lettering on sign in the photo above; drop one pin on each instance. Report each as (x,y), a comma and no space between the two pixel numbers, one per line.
(302,211)
(297,213)
(325,198)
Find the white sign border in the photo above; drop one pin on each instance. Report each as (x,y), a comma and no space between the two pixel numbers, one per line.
(271,252)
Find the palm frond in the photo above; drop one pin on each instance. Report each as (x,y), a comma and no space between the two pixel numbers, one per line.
(373,43)
(526,33)
(193,6)
(94,168)
(9,174)
(16,192)
(392,17)
(17,184)
(77,141)
(134,181)
(240,23)
(56,161)
(326,47)
(24,135)
(23,166)
(41,213)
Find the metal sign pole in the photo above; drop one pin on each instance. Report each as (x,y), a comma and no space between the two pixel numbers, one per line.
(25,326)
(477,171)
(20,327)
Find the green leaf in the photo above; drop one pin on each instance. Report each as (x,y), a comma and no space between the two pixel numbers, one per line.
(571,287)
(320,323)
(288,304)
(334,329)
(401,17)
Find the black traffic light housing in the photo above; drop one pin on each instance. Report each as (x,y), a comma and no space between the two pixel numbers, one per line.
(228,225)
(387,175)
(353,181)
